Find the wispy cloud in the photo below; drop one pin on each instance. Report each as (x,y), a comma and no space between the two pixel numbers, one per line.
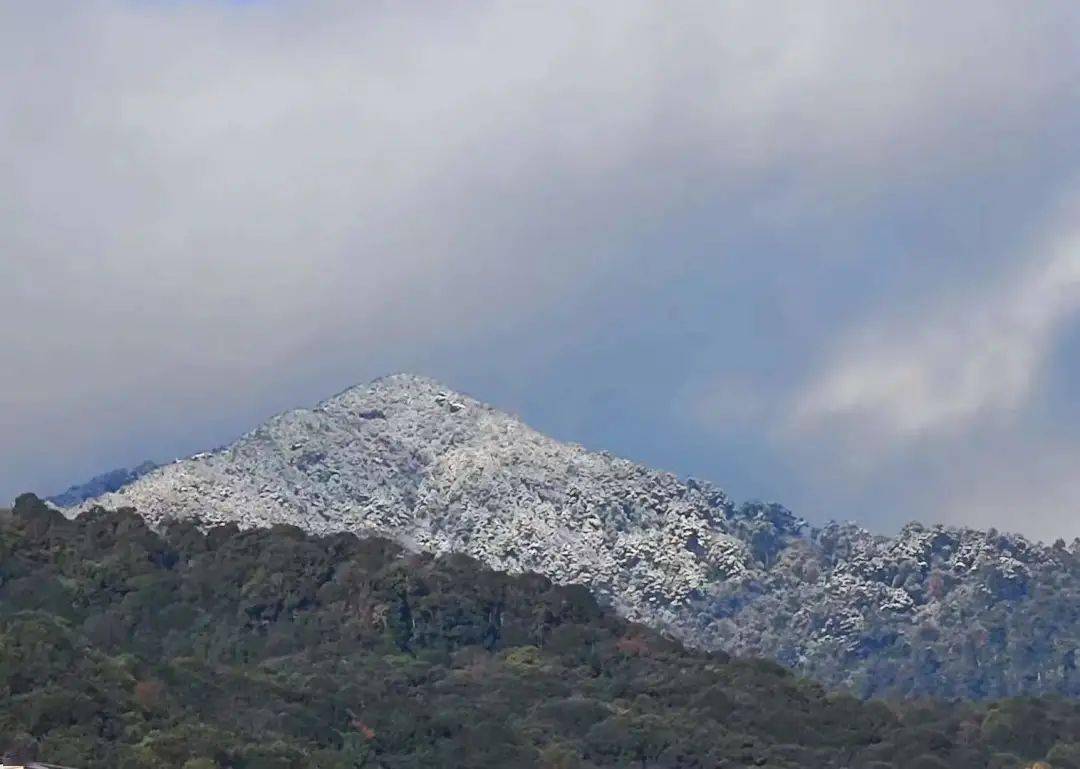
(976,355)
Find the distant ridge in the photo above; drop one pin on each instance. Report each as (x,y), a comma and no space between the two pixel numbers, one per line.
(934,610)
(114,480)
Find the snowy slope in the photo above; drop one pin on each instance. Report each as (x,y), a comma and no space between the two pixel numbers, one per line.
(934,610)
(442,472)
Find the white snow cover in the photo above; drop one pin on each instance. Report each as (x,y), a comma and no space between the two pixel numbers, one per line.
(438,471)
(404,458)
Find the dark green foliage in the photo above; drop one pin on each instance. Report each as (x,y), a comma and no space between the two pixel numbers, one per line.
(263,649)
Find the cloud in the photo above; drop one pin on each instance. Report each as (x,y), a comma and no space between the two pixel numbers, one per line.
(212,211)
(975,356)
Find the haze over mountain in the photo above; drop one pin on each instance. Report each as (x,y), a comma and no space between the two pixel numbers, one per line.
(934,610)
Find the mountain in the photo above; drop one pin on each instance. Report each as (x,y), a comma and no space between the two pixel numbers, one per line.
(274,649)
(932,611)
(113,480)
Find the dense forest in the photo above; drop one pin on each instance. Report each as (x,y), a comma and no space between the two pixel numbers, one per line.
(933,611)
(125,648)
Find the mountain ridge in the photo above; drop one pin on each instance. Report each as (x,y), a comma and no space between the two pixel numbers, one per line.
(112,480)
(406,458)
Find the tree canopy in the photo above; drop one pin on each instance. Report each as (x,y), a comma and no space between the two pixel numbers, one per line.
(126,648)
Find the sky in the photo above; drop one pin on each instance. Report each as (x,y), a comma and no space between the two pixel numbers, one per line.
(819,253)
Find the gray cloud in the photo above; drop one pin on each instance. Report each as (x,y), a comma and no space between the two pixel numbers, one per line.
(599,215)
(971,358)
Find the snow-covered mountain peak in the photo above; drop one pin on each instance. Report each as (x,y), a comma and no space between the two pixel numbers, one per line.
(408,458)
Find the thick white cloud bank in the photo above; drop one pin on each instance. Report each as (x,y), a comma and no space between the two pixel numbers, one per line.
(210,211)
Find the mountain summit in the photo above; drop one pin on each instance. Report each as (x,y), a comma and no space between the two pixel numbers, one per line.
(407,458)
(935,610)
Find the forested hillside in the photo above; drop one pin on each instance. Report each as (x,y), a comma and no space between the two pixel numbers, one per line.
(932,611)
(268,648)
